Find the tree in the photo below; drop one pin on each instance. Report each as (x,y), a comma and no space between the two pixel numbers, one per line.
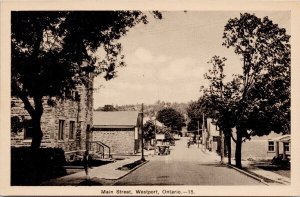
(195,114)
(109,108)
(258,101)
(171,118)
(216,76)
(217,102)
(53,52)
(151,109)
(149,130)
(169,137)
(262,94)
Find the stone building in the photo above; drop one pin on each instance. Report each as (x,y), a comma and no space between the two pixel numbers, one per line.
(66,126)
(119,130)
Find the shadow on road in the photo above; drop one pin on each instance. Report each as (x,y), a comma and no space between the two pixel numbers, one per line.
(214,165)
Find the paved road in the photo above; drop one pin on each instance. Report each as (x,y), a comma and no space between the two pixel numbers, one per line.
(186,166)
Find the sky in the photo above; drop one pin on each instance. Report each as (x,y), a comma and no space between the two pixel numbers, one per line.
(166,59)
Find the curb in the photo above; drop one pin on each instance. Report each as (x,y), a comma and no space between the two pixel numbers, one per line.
(282,182)
(248,174)
(133,169)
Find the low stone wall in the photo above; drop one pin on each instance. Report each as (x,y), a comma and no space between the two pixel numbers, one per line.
(120,142)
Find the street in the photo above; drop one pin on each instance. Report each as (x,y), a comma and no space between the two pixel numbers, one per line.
(186,166)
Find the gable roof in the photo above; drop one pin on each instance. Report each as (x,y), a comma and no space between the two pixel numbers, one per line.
(115,118)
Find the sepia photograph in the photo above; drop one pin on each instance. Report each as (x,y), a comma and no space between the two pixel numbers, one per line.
(161,101)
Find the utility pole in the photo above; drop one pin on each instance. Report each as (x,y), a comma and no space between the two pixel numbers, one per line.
(198,140)
(228,144)
(155,135)
(222,132)
(142,127)
(203,133)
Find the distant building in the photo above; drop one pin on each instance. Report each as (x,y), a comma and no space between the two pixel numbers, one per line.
(280,146)
(259,147)
(262,147)
(66,126)
(212,134)
(120,130)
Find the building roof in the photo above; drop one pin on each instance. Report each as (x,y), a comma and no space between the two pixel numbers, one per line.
(115,118)
(284,138)
(145,119)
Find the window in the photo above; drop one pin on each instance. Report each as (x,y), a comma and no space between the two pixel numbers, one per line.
(72,94)
(287,147)
(28,129)
(61,129)
(77,96)
(271,146)
(215,138)
(217,128)
(71,129)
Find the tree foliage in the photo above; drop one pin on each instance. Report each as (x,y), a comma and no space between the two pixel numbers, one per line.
(106,108)
(53,52)
(219,98)
(151,109)
(171,118)
(149,130)
(195,114)
(169,137)
(264,93)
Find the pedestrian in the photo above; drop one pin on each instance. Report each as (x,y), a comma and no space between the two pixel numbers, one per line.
(86,163)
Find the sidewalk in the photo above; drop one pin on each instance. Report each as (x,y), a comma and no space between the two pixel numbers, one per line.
(269,177)
(266,174)
(101,174)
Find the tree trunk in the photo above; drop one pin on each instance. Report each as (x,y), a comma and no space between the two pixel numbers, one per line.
(228,145)
(238,150)
(222,146)
(36,123)
(37,133)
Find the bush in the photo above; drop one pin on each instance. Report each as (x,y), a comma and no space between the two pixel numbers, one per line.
(284,163)
(30,167)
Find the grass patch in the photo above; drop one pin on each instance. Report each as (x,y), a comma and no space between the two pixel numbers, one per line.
(283,171)
(130,165)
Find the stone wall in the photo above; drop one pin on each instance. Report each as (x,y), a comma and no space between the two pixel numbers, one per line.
(78,111)
(120,142)
(47,124)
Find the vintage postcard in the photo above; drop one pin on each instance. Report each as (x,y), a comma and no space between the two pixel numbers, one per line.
(149,98)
